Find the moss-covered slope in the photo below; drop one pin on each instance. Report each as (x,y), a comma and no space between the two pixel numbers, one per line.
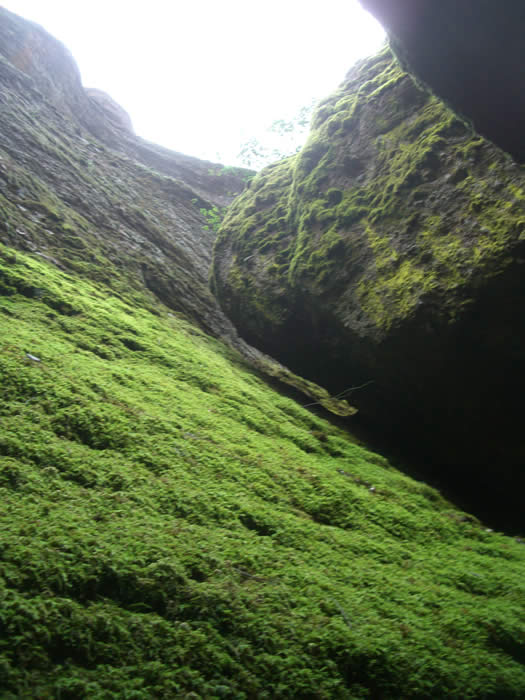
(171,527)
(389,252)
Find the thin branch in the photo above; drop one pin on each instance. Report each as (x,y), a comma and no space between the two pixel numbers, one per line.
(342,394)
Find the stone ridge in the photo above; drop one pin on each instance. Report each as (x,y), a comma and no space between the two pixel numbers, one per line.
(389,251)
(115,112)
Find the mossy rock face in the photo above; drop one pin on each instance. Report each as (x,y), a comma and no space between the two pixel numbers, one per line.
(390,251)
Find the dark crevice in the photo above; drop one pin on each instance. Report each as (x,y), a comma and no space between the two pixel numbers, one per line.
(471,54)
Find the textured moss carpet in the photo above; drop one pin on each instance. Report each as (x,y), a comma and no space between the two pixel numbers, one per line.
(172,527)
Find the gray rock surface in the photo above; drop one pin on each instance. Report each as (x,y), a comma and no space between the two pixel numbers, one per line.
(78,187)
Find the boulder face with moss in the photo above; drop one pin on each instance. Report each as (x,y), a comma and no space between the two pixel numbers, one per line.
(389,252)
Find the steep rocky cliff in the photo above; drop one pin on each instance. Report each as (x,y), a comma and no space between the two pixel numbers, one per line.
(170,525)
(78,188)
(390,253)
(470,53)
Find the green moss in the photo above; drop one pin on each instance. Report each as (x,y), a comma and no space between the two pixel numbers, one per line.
(395,294)
(49,209)
(271,238)
(362,210)
(172,527)
(274,308)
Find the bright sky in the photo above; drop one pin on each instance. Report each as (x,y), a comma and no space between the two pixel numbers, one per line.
(203,76)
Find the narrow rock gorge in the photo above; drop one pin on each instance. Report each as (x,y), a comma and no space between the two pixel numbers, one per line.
(182,516)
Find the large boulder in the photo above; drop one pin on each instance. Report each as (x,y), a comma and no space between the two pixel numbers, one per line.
(471,53)
(389,253)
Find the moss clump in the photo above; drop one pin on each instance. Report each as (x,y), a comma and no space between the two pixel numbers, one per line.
(171,527)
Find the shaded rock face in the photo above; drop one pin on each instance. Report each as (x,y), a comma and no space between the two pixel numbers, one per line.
(390,253)
(115,112)
(78,188)
(470,53)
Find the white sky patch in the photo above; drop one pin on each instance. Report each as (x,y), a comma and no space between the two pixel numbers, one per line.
(202,76)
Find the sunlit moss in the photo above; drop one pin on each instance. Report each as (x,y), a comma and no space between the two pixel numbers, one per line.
(171,526)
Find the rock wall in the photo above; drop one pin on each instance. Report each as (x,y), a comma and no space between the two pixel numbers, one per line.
(82,191)
(389,253)
(470,53)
